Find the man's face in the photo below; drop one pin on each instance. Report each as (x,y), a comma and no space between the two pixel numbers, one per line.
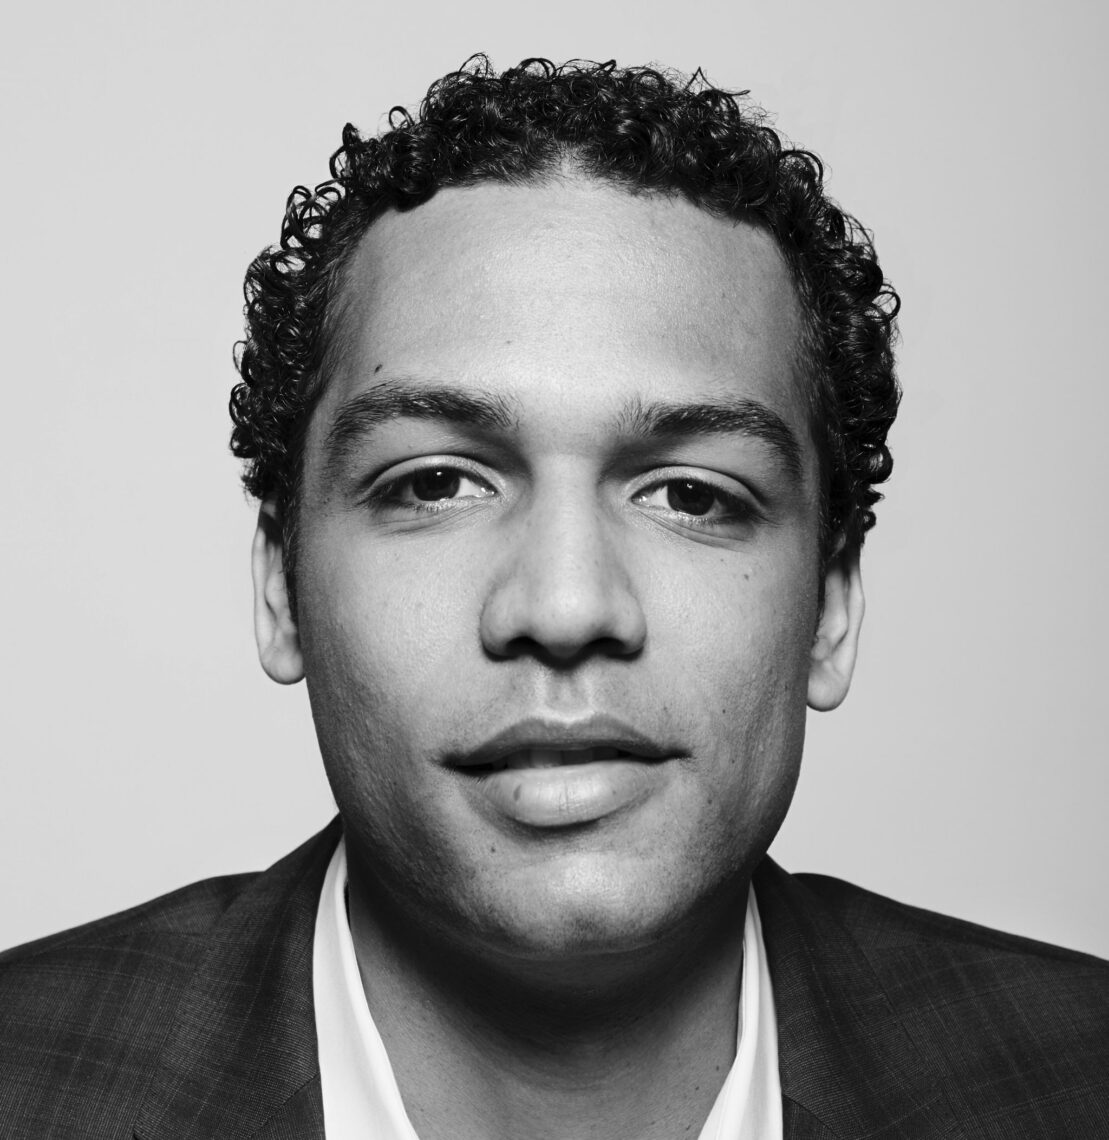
(558,574)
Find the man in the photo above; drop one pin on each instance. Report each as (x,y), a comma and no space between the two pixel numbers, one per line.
(565,401)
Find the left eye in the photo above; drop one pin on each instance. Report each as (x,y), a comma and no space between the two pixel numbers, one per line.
(694,498)
(690,497)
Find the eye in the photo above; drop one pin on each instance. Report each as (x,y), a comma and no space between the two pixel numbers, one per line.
(433,483)
(690,497)
(435,487)
(696,501)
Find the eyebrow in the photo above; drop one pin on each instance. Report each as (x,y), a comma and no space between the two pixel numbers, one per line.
(740,416)
(490,412)
(393,399)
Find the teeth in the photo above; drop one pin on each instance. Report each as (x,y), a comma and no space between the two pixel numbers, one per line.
(554,758)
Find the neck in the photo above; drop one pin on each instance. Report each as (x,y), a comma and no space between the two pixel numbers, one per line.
(616,1047)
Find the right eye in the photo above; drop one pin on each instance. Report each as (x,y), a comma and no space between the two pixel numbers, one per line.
(434,487)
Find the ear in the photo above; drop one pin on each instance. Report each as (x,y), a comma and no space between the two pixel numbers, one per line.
(832,659)
(275,628)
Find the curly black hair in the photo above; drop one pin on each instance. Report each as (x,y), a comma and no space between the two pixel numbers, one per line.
(640,128)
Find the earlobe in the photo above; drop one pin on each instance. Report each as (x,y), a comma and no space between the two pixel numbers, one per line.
(832,660)
(275,628)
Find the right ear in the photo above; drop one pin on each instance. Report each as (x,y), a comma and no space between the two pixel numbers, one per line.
(275,628)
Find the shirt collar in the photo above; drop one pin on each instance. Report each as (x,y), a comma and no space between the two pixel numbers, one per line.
(360,1093)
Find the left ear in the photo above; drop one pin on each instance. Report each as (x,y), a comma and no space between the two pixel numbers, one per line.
(832,658)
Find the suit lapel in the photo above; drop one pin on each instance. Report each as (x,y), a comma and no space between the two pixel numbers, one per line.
(241,1058)
(848,1066)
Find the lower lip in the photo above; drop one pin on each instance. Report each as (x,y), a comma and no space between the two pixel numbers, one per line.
(568,794)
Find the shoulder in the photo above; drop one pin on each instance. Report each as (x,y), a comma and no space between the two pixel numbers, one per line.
(89,1008)
(1015,1032)
(192,909)
(183,1004)
(891,933)
(944,971)
(154,937)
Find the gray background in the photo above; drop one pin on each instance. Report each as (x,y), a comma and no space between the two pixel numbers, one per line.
(147,150)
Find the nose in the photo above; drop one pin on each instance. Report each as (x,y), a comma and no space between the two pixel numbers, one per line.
(561,590)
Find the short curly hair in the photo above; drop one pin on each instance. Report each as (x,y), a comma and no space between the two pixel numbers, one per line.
(640,128)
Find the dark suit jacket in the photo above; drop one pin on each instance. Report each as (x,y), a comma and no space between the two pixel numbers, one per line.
(191,1016)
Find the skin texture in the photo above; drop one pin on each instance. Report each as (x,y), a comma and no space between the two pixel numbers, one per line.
(562,578)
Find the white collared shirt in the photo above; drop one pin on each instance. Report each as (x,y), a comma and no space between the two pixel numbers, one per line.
(360,1094)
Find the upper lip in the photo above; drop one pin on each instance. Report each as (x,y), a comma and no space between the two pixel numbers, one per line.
(596,731)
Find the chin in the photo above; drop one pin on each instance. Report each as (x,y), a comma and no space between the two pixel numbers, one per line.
(583,909)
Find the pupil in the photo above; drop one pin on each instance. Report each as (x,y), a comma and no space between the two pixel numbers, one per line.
(435,483)
(689,497)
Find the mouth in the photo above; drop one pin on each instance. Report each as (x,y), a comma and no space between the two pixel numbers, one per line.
(540,757)
(544,775)
(543,743)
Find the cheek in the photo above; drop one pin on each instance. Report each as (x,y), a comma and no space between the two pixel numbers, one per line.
(743,638)
(379,624)
(743,629)
(389,647)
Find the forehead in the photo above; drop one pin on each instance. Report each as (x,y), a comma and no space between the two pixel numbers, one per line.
(570,292)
